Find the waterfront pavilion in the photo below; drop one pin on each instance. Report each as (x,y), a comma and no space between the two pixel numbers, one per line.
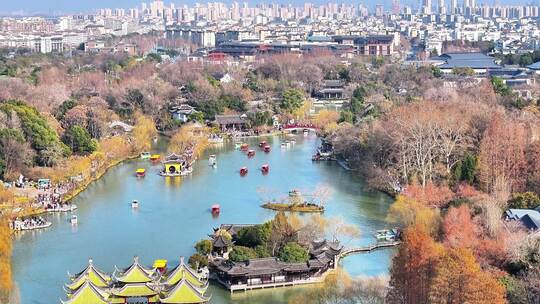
(137,284)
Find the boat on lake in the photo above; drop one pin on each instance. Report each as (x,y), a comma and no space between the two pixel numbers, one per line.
(216,209)
(60,207)
(262,143)
(212,160)
(74,220)
(155,157)
(135,204)
(31,223)
(251,153)
(244,147)
(387,234)
(265,168)
(243,171)
(237,145)
(140,172)
(266,148)
(145,155)
(176,165)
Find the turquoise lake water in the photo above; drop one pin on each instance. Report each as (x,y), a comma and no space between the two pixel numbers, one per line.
(175,212)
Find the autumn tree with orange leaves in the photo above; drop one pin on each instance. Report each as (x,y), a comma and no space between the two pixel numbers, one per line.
(413,268)
(459,229)
(502,154)
(459,279)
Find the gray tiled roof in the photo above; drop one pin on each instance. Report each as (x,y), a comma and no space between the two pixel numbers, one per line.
(468,60)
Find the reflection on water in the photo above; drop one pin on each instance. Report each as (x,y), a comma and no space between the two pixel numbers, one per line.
(175,212)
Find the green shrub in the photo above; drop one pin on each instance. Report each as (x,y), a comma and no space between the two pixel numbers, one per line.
(294,253)
(241,254)
(204,247)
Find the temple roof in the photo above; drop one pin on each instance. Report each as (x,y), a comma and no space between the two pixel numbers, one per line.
(318,247)
(233,229)
(136,273)
(184,272)
(252,267)
(134,290)
(220,241)
(87,293)
(183,292)
(91,273)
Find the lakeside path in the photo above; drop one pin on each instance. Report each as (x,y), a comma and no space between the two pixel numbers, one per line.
(174,214)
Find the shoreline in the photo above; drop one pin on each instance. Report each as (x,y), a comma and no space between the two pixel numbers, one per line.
(86,184)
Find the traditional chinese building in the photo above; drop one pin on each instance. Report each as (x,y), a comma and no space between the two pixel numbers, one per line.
(137,284)
(271,272)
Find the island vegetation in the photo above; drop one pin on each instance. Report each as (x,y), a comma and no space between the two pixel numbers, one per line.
(286,237)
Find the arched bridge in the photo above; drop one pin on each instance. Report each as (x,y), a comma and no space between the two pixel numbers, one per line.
(300,127)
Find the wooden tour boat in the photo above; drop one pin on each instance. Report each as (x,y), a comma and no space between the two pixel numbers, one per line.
(160,265)
(140,172)
(243,171)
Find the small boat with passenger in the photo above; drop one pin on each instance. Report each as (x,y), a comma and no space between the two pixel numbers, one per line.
(155,157)
(212,160)
(387,234)
(140,172)
(251,153)
(265,168)
(135,204)
(244,147)
(216,209)
(262,143)
(145,155)
(243,171)
(74,220)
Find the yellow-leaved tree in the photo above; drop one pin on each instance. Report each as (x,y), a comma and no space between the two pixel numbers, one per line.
(192,137)
(406,211)
(6,284)
(143,133)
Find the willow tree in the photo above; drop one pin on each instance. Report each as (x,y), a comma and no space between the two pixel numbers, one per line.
(143,133)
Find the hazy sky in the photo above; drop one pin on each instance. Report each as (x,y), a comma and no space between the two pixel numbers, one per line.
(63,6)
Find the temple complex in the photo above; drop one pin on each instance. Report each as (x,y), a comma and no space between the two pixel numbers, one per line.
(137,284)
(271,272)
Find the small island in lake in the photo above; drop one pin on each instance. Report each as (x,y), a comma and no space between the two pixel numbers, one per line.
(295,203)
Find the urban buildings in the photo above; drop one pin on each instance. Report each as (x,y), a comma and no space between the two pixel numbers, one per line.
(308,27)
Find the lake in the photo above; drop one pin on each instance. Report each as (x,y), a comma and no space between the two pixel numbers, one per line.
(174,213)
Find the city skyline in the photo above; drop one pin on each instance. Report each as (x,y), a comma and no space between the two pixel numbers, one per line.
(34,7)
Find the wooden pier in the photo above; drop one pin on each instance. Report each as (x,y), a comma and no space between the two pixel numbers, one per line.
(379,245)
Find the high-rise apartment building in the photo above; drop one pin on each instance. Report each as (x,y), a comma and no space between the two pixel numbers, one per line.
(426,7)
